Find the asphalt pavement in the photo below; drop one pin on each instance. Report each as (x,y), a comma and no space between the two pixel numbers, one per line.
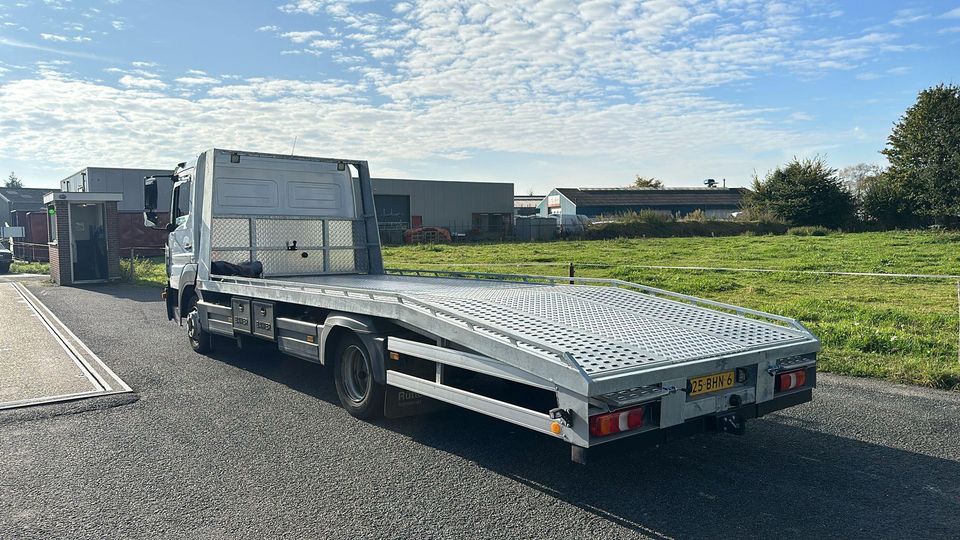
(252,444)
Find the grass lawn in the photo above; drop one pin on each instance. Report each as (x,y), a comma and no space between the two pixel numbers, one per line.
(899,329)
(895,328)
(20,267)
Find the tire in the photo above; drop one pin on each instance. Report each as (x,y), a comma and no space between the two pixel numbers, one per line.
(359,393)
(200,341)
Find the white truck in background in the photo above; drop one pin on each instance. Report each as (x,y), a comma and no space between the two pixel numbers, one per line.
(286,249)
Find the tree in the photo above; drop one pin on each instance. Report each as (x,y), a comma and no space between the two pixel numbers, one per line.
(13,181)
(857,177)
(647,182)
(924,154)
(806,192)
(885,201)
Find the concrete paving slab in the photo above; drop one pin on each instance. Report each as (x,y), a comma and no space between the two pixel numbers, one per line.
(41,361)
(14,278)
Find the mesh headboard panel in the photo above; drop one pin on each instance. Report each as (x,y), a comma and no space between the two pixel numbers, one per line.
(291,246)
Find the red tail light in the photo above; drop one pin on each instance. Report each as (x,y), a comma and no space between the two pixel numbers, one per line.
(791,380)
(605,424)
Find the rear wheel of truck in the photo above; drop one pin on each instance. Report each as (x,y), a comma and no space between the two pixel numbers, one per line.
(359,394)
(200,341)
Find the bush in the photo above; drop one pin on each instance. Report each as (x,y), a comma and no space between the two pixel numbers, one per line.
(670,229)
(696,215)
(806,192)
(809,231)
(643,216)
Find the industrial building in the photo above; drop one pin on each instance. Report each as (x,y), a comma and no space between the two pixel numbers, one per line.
(466,209)
(23,207)
(16,202)
(482,210)
(526,205)
(713,202)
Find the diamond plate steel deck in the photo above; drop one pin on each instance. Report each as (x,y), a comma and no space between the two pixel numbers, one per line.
(605,329)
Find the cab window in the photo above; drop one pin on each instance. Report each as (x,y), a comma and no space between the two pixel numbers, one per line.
(181,202)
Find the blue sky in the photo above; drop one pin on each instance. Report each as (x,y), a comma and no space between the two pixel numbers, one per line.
(540,93)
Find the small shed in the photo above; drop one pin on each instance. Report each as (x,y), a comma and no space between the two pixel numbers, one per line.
(535,228)
(84,237)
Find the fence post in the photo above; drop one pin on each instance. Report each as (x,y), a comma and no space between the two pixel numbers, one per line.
(131,265)
(572,272)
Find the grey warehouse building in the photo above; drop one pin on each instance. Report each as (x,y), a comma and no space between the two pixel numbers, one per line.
(476,209)
(593,202)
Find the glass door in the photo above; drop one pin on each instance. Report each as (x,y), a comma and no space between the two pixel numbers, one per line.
(88,242)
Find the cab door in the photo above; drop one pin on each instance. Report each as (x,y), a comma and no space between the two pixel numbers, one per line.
(180,242)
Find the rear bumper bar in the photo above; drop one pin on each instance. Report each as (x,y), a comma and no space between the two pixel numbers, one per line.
(709,423)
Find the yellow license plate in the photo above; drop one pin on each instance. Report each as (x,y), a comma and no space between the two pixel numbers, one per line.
(711,383)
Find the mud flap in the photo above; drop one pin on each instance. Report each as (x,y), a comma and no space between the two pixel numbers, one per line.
(400,403)
(168,298)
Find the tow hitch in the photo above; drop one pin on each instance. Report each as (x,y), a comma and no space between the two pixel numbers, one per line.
(732,423)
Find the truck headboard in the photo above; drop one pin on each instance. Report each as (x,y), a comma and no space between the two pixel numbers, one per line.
(296,216)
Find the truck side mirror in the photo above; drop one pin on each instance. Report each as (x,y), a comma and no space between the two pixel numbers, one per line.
(150,194)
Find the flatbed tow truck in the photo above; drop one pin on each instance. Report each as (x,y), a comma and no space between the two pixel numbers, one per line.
(286,249)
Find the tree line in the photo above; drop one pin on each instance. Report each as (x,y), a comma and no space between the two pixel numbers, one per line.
(920,187)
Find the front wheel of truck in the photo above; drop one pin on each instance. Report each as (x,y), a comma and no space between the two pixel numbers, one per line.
(200,340)
(359,393)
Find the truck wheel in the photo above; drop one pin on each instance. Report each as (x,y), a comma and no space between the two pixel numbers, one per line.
(359,394)
(200,341)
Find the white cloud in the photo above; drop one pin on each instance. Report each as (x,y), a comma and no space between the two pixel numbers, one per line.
(325,43)
(904,17)
(141,64)
(142,83)
(31,46)
(302,37)
(269,28)
(63,39)
(952,14)
(196,81)
(117,24)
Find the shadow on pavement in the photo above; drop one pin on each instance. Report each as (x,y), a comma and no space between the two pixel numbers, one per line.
(124,291)
(780,480)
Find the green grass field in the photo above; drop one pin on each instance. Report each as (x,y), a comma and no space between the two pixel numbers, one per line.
(895,328)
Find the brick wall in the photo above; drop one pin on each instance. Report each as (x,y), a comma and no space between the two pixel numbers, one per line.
(60,260)
(60,265)
(112,222)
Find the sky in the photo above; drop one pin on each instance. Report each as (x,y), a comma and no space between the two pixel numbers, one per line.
(541,93)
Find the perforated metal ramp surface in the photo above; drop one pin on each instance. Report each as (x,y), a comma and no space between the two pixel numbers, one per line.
(604,328)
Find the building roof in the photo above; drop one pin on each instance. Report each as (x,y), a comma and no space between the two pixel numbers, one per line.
(24,196)
(527,201)
(653,197)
